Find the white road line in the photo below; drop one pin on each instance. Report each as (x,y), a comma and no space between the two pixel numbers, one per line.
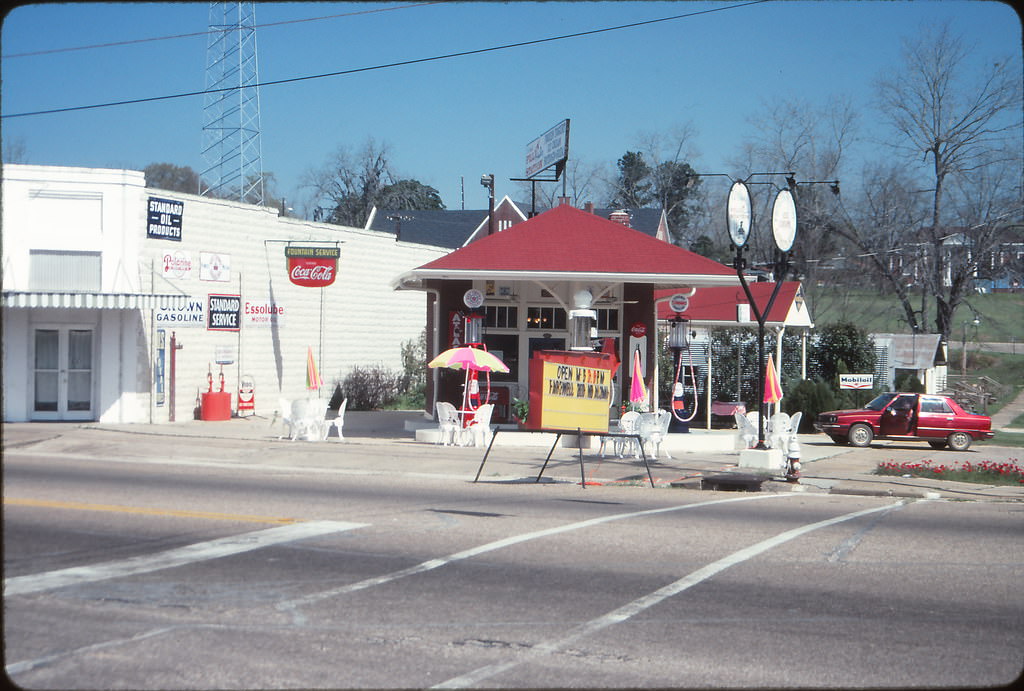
(636,606)
(29,665)
(213,549)
(499,544)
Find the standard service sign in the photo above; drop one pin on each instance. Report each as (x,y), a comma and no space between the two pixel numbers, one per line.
(224,312)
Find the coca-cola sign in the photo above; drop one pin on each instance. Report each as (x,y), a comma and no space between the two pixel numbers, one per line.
(312,267)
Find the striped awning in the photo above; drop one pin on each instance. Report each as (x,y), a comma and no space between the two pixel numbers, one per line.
(88,300)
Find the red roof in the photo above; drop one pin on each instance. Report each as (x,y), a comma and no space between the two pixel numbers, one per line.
(715,303)
(571,240)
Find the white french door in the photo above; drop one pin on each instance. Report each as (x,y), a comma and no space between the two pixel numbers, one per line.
(63,359)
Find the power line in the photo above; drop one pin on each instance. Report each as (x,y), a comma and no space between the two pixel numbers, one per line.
(114,44)
(403,63)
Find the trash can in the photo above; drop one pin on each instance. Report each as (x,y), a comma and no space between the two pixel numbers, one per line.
(215,405)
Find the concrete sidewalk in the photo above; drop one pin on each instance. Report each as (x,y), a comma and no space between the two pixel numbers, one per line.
(382,442)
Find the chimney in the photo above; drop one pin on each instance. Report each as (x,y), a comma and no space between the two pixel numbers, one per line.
(563,201)
(589,207)
(620,216)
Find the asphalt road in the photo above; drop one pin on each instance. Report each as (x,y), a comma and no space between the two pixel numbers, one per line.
(184,576)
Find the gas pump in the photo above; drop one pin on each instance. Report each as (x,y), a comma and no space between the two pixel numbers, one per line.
(684,394)
(474,339)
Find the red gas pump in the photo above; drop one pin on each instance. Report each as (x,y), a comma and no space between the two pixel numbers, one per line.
(215,405)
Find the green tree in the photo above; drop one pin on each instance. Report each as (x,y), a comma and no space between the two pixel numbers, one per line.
(632,188)
(842,347)
(675,185)
(410,195)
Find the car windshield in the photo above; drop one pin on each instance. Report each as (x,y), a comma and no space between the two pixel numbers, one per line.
(880,402)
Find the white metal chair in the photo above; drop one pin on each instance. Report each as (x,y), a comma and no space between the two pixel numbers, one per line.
(478,432)
(338,422)
(285,408)
(746,431)
(654,429)
(308,419)
(447,423)
(777,432)
(627,425)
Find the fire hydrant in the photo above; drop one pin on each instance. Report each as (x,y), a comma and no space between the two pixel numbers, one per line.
(793,459)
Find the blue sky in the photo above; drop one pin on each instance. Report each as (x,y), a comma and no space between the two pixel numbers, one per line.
(461,117)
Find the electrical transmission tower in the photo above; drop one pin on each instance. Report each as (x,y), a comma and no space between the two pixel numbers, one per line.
(231,106)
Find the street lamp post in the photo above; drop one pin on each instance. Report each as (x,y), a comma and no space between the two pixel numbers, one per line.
(963,345)
(739,221)
(487,180)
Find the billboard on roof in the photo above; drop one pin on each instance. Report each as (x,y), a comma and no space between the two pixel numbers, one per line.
(549,149)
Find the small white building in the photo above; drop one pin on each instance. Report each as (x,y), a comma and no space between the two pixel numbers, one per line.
(100,273)
(923,355)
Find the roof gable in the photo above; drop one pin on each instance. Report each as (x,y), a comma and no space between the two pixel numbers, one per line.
(566,239)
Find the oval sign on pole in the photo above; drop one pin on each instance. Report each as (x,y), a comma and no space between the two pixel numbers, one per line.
(679,303)
(739,214)
(638,330)
(784,220)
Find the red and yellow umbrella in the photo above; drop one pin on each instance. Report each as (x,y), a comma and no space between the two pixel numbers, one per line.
(772,385)
(469,359)
(313,380)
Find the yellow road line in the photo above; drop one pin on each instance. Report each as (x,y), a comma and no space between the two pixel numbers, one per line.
(147,511)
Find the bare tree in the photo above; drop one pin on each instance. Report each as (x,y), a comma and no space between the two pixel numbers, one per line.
(347,188)
(961,122)
(15,150)
(581,182)
(809,142)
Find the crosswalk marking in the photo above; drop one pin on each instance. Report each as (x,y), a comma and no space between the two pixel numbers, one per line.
(201,551)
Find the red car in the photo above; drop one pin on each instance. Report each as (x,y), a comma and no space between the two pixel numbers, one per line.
(938,420)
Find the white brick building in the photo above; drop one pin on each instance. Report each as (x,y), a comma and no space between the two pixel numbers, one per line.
(93,289)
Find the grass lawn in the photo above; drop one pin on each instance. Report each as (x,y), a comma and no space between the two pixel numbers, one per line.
(881,313)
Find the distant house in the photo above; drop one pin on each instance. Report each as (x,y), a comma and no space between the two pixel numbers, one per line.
(453,229)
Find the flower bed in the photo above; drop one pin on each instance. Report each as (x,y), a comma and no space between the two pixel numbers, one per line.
(985,472)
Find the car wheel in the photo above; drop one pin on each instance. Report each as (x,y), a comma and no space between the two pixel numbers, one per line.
(937,444)
(959,441)
(861,435)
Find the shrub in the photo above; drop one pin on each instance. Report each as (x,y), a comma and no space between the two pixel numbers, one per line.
(909,383)
(810,396)
(371,388)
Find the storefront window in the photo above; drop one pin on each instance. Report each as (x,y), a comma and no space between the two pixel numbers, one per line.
(607,320)
(545,318)
(501,317)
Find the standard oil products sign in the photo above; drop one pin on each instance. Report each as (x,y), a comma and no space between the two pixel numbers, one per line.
(224,312)
(312,267)
(163,219)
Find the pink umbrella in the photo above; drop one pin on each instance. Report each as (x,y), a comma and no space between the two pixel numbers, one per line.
(772,385)
(637,390)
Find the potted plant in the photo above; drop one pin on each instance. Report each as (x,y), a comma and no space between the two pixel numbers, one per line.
(520,409)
